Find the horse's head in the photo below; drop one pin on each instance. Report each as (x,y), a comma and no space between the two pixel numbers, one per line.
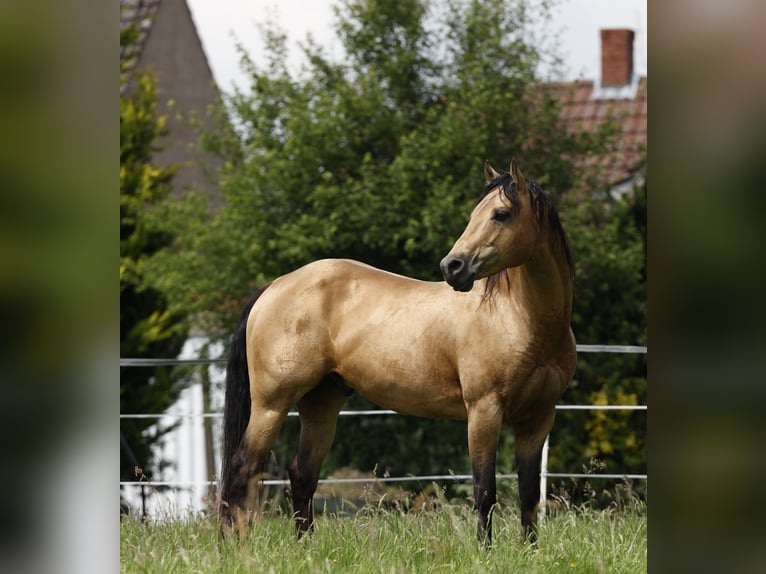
(501,233)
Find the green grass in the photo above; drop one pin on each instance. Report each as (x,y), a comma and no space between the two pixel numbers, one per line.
(374,540)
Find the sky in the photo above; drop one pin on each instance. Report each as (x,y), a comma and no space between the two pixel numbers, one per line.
(222,23)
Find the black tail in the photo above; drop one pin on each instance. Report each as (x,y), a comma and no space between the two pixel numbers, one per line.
(236,410)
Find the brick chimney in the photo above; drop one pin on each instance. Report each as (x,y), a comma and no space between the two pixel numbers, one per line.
(616,56)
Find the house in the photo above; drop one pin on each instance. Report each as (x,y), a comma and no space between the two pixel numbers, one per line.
(618,94)
(168,46)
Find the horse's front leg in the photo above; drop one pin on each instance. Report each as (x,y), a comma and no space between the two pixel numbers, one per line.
(485,420)
(528,467)
(529,441)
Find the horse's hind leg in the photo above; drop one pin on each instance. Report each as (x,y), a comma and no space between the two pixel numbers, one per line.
(319,415)
(261,432)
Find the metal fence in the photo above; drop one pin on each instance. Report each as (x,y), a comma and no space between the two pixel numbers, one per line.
(544,474)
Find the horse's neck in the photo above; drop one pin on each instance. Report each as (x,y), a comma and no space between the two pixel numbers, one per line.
(541,290)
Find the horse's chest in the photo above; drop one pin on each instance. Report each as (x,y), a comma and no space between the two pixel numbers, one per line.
(530,391)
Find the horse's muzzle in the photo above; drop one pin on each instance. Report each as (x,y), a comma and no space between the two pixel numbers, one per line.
(457,273)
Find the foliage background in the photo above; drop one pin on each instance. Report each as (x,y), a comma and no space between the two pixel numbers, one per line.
(148,328)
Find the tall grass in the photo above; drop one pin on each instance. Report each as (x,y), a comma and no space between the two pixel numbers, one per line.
(443,539)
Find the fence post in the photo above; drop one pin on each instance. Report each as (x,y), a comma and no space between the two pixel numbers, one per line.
(543,481)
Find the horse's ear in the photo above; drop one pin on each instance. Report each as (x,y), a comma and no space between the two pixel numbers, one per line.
(489,172)
(518,177)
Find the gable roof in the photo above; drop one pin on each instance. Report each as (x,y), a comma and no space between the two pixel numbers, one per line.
(141,14)
(166,44)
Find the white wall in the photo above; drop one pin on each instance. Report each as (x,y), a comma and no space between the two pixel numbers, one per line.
(184,447)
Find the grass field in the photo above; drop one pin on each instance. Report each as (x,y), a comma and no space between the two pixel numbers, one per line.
(376,540)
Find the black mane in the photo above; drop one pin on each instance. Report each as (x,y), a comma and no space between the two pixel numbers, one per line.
(542,205)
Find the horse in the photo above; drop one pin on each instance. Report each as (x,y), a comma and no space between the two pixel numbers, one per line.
(491,345)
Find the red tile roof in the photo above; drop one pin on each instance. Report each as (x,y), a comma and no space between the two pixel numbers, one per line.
(583,107)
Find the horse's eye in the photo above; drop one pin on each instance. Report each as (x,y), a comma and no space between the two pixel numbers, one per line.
(500,215)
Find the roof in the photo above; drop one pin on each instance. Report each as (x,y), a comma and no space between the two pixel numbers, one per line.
(585,106)
(138,13)
(165,43)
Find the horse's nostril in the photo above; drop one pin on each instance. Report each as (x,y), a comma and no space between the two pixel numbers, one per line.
(452,267)
(455,266)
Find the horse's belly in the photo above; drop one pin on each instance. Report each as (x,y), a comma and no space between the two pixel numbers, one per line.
(407,391)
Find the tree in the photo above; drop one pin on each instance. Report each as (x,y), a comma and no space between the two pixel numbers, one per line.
(147,327)
(608,239)
(377,158)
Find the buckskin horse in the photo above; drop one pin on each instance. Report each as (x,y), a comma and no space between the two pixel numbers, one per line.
(492,345)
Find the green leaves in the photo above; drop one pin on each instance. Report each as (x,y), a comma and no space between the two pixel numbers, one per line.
(148,326)
(608,245)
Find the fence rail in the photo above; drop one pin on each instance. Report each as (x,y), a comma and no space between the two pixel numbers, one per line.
(544,474)
(141,362)
(366,480)
(363,413)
